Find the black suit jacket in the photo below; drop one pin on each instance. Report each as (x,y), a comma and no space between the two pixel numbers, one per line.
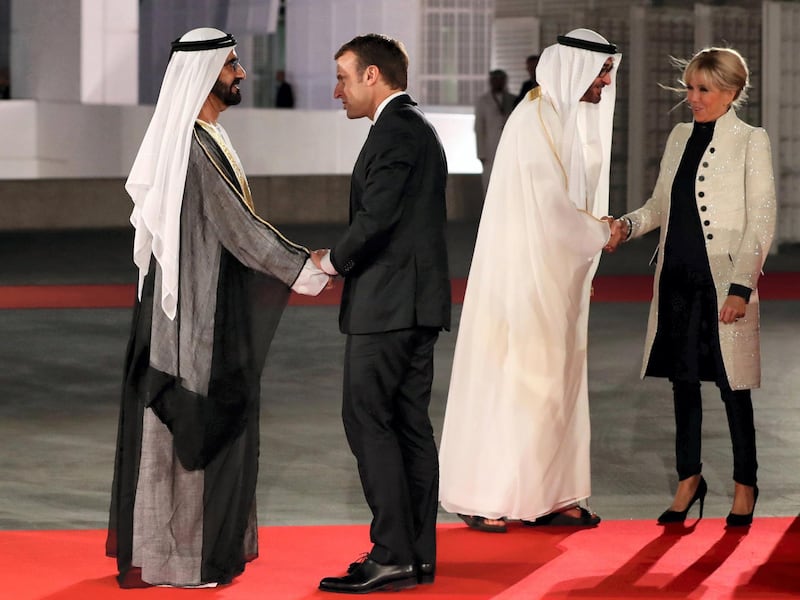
(394,254)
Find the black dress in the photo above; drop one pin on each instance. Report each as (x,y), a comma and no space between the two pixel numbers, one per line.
(686,346)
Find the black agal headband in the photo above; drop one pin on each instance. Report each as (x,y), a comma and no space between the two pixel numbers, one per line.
(196,46)
(586,45)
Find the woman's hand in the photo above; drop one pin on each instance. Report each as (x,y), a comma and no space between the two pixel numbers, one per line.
(733,309)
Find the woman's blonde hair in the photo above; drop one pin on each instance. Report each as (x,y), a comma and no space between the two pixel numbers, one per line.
(723,68)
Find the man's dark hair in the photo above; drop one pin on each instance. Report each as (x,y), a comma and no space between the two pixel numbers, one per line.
(385,53)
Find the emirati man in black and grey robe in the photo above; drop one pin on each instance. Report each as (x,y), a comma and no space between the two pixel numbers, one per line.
(214,280)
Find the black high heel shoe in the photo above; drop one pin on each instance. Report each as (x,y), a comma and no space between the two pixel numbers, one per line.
(734,520)
(679,516)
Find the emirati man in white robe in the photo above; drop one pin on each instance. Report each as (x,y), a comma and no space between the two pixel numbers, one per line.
(516,433)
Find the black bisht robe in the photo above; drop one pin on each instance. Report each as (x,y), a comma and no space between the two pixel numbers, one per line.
(183,497)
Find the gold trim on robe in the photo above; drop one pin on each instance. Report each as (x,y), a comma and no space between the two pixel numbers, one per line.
(237,168)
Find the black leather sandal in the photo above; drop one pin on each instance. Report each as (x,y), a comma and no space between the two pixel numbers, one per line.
(562,519)
(479,523)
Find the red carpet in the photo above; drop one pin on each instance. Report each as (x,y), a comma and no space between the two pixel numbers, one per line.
(618,560)
(610,288)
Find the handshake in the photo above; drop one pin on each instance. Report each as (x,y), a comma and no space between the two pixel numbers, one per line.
(620,232)
(317,256)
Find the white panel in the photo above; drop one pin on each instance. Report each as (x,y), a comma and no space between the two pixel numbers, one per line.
(77,140)
(457,132)
(45,50)
(109,52)
(513,40)
(121,62)
(272,141)
(74,140)
(19,168)
(18,123)
(121,15)
(121,68)
(335,144)
(92,50)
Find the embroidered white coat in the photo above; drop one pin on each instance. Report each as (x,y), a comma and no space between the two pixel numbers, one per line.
(735,195)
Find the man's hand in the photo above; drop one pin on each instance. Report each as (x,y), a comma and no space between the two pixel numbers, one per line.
(619,231)
(317,256)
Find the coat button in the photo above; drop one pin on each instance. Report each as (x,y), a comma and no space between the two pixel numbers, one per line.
(710,236)
(711,150)
(702,178)
(705,164)
(702,195)
(706,223)
(704,208)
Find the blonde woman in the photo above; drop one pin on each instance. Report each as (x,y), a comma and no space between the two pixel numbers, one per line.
(714,202)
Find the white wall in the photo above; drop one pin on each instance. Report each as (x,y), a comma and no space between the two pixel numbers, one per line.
(70,140)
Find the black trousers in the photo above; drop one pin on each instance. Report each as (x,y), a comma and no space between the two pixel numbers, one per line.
(688,425)
(387,391)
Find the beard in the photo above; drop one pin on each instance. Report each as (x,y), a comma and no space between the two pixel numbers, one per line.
(225,92)
(593,95)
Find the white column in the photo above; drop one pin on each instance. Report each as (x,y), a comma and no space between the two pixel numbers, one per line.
(109,59)
(637,64)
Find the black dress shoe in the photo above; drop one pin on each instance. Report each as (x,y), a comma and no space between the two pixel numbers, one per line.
(370,576)
(426,572)
(357,563)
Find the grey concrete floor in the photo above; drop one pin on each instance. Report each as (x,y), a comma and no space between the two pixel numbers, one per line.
(60,374)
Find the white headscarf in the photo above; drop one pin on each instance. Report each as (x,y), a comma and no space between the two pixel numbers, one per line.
(565,73)
(158,175)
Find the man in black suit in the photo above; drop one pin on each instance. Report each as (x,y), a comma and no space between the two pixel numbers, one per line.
(396,299)
(284,95)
